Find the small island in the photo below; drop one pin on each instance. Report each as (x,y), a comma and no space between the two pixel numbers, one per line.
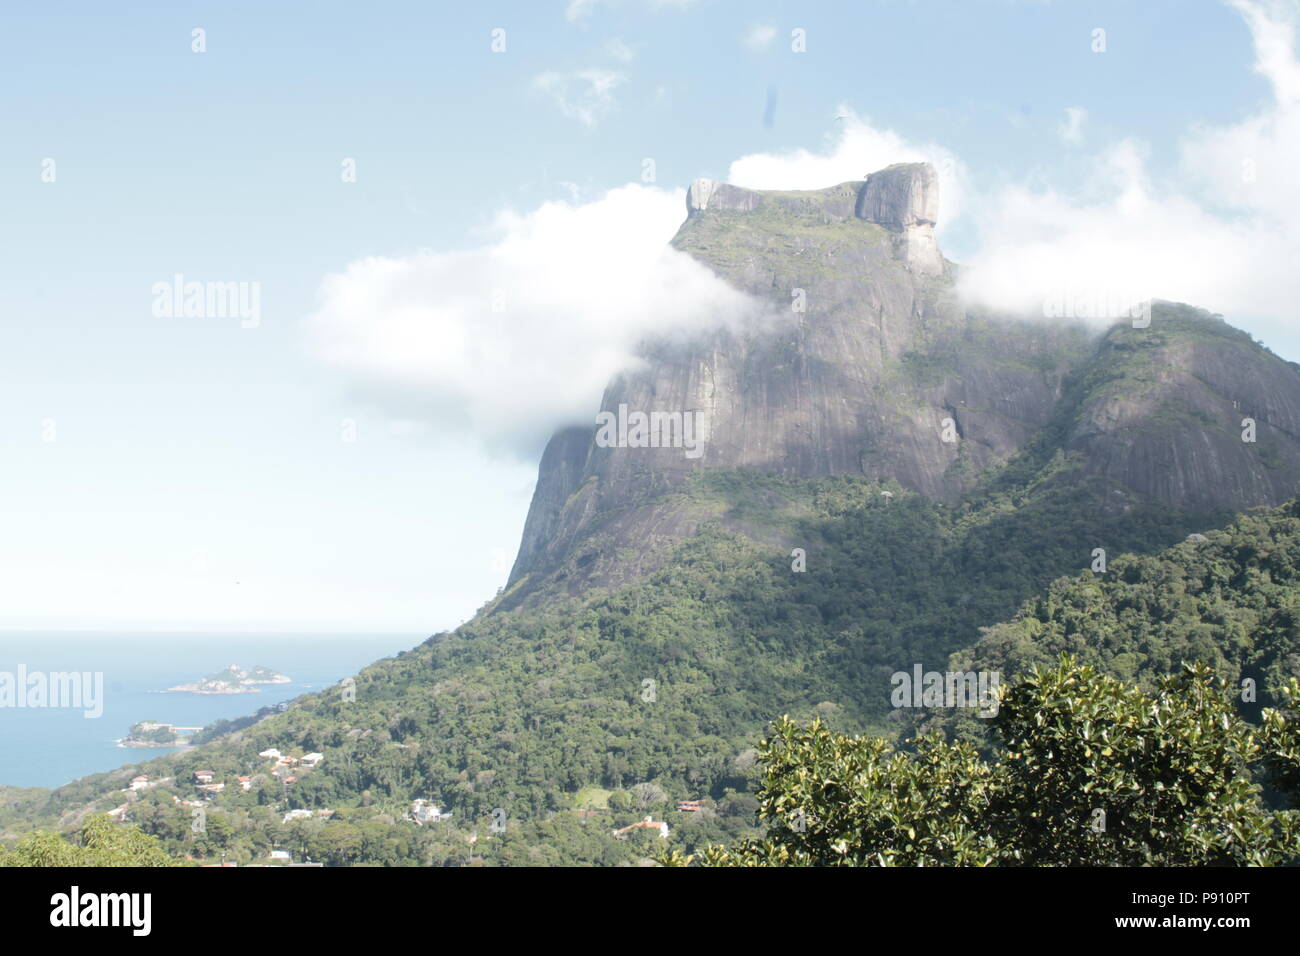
(232,680)
(153,733)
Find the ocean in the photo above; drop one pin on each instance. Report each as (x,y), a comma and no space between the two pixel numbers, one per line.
(47,746)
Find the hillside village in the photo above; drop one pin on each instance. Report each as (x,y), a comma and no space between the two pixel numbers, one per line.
(282,767)
(205,799)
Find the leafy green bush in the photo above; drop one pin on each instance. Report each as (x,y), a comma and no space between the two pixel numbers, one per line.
(1091,772)
(102,843)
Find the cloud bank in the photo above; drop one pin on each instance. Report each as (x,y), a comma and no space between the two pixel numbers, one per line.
(516,337)
(1221,230)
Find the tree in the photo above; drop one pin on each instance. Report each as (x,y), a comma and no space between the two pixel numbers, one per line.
(1281,741)
(647,795)
(1091,772)
(1097,772)
(102,843)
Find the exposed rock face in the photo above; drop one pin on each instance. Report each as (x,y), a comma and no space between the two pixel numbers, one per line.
(876,369)
(905,198)
(563,464)
(901,196)
(1175,423)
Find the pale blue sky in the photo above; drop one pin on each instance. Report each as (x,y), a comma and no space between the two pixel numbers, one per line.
(197,479)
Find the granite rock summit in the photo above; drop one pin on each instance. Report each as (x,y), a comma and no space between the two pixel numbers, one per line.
(880,370)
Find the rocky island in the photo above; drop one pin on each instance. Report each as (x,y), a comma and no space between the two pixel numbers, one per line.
(231,680)
(152,733)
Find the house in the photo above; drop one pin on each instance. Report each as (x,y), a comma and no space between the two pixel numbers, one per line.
(245,783)
(212,787)
(280,855)
(286,761)
(690,806)
(273,754)
(139,783)
(118,813)
(312,759)
(423,811)
(297,815)
(648,824)
(203,776)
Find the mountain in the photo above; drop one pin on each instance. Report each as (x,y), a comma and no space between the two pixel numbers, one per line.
(887,478)
(885,374)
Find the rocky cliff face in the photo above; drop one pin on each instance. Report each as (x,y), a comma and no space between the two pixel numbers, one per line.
(1190,412)
(874,368)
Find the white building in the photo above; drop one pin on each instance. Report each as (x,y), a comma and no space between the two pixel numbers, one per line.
(423,811)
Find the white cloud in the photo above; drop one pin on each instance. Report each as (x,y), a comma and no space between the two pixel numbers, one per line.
(579,10)
(618,48)
(853,150)
(1221,230)
(1071,128)
(1272,27)
(577,286)
(759,37)
(585,95)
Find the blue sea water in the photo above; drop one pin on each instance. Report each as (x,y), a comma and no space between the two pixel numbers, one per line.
(46,747)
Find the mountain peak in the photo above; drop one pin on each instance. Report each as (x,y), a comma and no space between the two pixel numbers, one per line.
(901,196)
(904,198)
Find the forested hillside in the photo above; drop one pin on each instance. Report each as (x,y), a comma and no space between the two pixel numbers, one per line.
(623,703)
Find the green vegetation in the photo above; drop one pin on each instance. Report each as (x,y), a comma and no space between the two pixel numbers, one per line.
(1231,600)
(100,843)
(1089,771)
(655,692)
(152,732)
